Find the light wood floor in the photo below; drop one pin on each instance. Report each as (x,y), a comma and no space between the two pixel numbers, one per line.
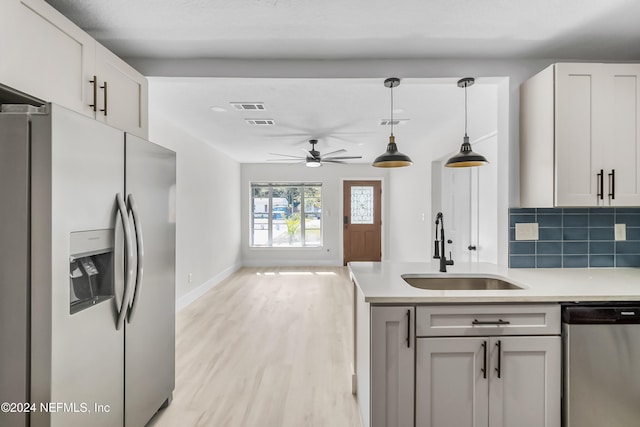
(266,349)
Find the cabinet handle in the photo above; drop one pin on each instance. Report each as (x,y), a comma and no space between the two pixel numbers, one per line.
(408,328)
(484,361)
(601,182)
(105,98)
(612,184)
(499,368)
(94,82)
(490,322)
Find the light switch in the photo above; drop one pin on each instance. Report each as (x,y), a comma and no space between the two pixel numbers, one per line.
(621,232)
(527,231)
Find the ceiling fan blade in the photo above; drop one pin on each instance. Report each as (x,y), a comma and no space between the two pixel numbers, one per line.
(307,152)
(341,158)
(287,160)
(285,155)
(334,152)
(332,161)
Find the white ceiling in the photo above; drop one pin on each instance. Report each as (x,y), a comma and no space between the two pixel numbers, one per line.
(570,29)
(340,113)
(344,113)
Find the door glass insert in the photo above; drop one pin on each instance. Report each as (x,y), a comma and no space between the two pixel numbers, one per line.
(362,205)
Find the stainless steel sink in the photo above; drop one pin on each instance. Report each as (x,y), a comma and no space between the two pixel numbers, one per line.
(457,283)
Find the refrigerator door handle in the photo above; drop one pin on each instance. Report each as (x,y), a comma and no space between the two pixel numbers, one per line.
(122,209)
(131,203)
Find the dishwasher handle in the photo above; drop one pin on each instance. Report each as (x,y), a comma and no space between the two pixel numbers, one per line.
(601,314)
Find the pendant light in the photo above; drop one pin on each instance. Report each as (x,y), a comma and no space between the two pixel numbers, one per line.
(466,158)
(392,158)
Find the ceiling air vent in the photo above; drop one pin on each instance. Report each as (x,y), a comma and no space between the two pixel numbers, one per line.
(260,122)
(248,106)
(395,122)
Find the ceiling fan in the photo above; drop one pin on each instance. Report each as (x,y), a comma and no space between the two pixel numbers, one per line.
(314,158)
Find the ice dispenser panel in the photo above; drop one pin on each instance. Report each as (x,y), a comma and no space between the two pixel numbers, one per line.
(91,279)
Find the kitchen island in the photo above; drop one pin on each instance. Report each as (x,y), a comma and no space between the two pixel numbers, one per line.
(411,344)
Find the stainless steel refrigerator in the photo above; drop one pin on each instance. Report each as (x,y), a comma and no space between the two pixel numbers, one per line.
(87,272)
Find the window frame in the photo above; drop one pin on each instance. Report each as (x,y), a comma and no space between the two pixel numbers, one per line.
(269,186)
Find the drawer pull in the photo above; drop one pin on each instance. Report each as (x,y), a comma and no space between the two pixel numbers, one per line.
(490,322)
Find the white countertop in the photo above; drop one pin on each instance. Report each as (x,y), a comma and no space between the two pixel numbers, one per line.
(381,282)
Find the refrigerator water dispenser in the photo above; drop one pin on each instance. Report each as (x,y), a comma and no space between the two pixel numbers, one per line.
(91,279)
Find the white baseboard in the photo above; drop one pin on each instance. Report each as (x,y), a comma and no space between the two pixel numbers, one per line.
(193,295)
(291,263)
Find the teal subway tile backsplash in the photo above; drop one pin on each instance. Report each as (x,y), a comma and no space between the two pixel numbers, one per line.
(575,238)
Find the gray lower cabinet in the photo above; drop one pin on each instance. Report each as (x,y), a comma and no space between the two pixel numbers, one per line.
(488,381)
(492,365)
(392,366)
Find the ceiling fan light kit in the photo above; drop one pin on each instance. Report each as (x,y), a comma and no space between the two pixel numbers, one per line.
(314,159)
(392,158)
(466,158)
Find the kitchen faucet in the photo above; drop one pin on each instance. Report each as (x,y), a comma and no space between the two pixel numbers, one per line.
(441,254)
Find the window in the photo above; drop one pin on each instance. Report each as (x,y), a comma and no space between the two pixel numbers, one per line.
(286,215)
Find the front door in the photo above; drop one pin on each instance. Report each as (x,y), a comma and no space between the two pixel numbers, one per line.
(362,221)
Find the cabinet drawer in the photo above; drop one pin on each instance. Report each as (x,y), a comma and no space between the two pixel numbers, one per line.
(475,320)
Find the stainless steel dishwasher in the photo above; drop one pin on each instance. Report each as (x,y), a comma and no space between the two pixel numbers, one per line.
(601,365)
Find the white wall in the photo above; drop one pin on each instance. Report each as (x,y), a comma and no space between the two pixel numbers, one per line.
(208,209)
(517,71)
(409,236)
(331,177)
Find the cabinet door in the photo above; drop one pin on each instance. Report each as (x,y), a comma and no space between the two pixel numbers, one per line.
(392,366)
(622,145)
(525,381)
(579,156)
(46,55)
(451,385)
(122,94)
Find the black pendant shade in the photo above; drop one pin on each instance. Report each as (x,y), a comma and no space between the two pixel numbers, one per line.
(466,158)
(392,158)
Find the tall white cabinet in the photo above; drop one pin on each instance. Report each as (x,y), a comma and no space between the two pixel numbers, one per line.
(46,55)
(392,361)
(580,136)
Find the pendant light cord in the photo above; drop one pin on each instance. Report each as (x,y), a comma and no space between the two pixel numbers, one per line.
(391,109)
(465,109)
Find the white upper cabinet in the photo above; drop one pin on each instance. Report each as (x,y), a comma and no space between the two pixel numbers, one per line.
(46,55)
(579,129)
(121,99)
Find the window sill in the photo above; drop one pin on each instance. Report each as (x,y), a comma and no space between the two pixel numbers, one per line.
(286,248)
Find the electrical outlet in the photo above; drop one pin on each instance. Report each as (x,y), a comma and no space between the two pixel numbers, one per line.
(190,277)
(621,232)
(527,231)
